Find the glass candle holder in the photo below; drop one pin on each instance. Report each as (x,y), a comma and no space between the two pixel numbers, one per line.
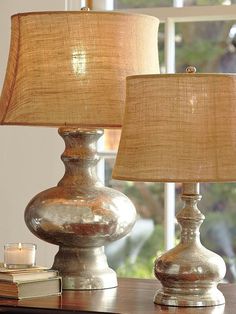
(19,255)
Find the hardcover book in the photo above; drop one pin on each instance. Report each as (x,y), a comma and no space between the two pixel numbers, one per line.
(9,270)
(31,289)
(26,275)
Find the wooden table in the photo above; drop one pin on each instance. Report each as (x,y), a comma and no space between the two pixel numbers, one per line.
(132,296)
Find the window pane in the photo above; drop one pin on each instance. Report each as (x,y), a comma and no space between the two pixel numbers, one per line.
(133,255)
(124,4)
(209,46)
(218,231)
(161,47)
(208,2)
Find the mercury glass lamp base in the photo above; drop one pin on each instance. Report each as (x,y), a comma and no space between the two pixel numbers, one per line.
(189,273)
(81,215)
(84,269)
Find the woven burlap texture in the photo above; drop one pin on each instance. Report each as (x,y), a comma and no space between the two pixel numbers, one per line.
(69,68)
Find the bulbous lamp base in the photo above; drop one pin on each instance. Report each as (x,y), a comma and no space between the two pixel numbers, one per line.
(189,273)
(81,215)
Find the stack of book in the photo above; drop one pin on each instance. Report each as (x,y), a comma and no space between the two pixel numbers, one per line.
(29,282)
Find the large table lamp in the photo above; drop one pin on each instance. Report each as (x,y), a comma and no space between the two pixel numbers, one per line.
(182,128)
(67,70)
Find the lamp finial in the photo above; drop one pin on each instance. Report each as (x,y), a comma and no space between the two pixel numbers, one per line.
(191,69)
(85,9)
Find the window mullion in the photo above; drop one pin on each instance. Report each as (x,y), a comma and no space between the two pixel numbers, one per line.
(170,46)
(169,195)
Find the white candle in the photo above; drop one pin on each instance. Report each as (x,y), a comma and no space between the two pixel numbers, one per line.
(19,255)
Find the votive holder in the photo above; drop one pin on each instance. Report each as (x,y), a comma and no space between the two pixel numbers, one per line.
(19,255)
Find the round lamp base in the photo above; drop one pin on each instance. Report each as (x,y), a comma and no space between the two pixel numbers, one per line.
(189,298)
(84,269)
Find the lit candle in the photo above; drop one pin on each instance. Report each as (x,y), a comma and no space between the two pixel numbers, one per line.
(19,255)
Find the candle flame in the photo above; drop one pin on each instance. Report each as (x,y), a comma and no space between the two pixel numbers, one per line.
(19,246)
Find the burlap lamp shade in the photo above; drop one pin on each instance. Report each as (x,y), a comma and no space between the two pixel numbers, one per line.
(69,68)
(179,128)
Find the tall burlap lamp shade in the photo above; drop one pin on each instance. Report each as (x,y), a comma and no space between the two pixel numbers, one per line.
(181,128)
(67,70)
(66,66)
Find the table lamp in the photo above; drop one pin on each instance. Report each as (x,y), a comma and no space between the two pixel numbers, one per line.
(67,70)
(182,128)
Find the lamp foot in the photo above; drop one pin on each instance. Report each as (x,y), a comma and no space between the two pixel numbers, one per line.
(84,269)
(189,297)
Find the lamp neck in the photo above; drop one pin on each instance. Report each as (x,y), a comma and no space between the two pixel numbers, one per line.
(190,218)
(80,157)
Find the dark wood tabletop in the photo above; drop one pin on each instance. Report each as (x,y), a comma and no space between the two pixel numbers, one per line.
(131,296)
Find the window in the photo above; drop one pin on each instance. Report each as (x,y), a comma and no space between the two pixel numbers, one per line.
(204,37)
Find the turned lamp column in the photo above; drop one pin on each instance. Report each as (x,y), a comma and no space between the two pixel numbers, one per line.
(189,273)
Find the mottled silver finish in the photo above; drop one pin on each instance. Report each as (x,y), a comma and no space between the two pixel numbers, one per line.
(189,273)
(84,268)
(81,215)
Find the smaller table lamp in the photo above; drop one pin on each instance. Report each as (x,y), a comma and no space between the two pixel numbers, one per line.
(67,70)
(181,128)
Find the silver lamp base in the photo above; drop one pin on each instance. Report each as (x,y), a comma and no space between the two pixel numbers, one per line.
(81,215)
(189,297)
(189,273)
